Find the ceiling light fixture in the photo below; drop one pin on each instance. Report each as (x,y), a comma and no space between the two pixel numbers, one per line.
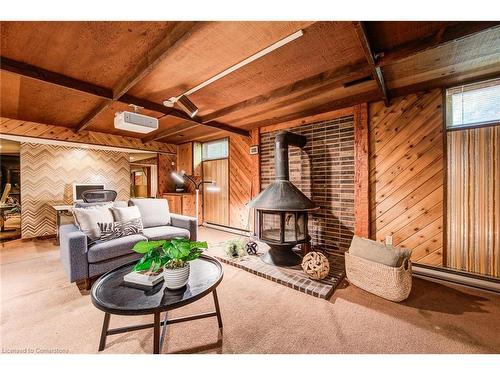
(280,43)
(187,106)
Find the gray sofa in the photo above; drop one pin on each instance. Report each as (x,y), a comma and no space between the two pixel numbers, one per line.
(83,262)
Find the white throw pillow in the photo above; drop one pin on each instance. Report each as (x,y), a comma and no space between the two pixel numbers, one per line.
(154,212)
(126,213)
(88,217)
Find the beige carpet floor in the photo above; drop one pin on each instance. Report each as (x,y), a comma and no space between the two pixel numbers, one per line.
(41,311)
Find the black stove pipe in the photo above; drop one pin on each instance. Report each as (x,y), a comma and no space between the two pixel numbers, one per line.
(282,141)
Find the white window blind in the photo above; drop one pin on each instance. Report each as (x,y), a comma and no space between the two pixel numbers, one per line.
(215,149)
(473,104)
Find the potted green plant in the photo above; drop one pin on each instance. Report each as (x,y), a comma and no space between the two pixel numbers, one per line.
(171,257)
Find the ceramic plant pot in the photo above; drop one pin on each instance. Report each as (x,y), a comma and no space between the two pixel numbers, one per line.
(176,278)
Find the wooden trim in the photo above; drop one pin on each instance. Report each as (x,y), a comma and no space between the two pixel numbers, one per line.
(445,35)
(445,182)
(473,126)
(361,172)
(307,120)
(255,163)
(360,29)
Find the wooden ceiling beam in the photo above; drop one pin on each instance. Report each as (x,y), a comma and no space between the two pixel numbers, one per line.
(40,74)
(327,78)
(360,29)
(33,72)
(142,68)
(349,101)
(445,35)
(169,132)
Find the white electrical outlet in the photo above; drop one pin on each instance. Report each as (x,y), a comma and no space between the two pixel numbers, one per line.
(388,241)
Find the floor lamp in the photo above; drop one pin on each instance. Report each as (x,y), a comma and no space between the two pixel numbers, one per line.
(182,177)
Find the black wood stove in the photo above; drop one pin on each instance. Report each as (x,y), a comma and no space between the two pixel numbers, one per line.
(281,209)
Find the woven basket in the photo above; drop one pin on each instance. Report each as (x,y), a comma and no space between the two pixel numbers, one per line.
(392,283)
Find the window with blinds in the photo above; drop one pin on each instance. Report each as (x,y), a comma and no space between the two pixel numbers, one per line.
(473,105)
(215,149)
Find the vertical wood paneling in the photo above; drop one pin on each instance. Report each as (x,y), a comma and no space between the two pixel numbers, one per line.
(361,172)
(166,165)
(185,157)
(216,204)
(240,181)
(406,174)
(473,218)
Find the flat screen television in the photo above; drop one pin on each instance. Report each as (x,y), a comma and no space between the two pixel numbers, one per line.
(78,189)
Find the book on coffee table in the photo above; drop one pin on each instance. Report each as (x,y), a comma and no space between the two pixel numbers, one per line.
(148,279)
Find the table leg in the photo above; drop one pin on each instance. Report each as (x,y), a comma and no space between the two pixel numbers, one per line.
(163,331)
(104,332)
(156,334)
(217,309)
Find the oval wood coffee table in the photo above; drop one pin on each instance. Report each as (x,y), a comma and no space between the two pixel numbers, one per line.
(111,295)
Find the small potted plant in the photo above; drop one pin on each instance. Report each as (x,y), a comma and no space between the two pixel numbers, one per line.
(172,256)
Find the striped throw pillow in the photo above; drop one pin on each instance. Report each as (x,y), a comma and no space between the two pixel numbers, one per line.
(110,231)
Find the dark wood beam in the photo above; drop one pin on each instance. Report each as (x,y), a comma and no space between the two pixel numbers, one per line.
(349,101)
(334,76)
(169,132)
(471,76)
(61,80)
(360,29)
(445,35)
(155,56)
(27,70)
(142,68)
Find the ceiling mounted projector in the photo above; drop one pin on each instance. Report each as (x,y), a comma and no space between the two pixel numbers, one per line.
(135,122)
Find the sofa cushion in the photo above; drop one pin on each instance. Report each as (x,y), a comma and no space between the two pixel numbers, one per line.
(103,250)
(165,232)
(87,219)
(126,213)
(154,212)
(378,252)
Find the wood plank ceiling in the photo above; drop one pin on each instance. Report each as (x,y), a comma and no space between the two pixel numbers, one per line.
(78,74)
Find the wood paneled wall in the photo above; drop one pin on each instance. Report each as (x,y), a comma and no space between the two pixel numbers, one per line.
(240,181)
(166,165)
(473,220)
(407,174)
(60,133)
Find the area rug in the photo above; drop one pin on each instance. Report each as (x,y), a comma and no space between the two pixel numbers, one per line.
(293,278)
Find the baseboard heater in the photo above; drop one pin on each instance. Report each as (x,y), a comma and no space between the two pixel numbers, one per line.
(456,277)
(422,271)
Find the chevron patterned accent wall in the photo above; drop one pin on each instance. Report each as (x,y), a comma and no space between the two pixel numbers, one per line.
(47,176)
